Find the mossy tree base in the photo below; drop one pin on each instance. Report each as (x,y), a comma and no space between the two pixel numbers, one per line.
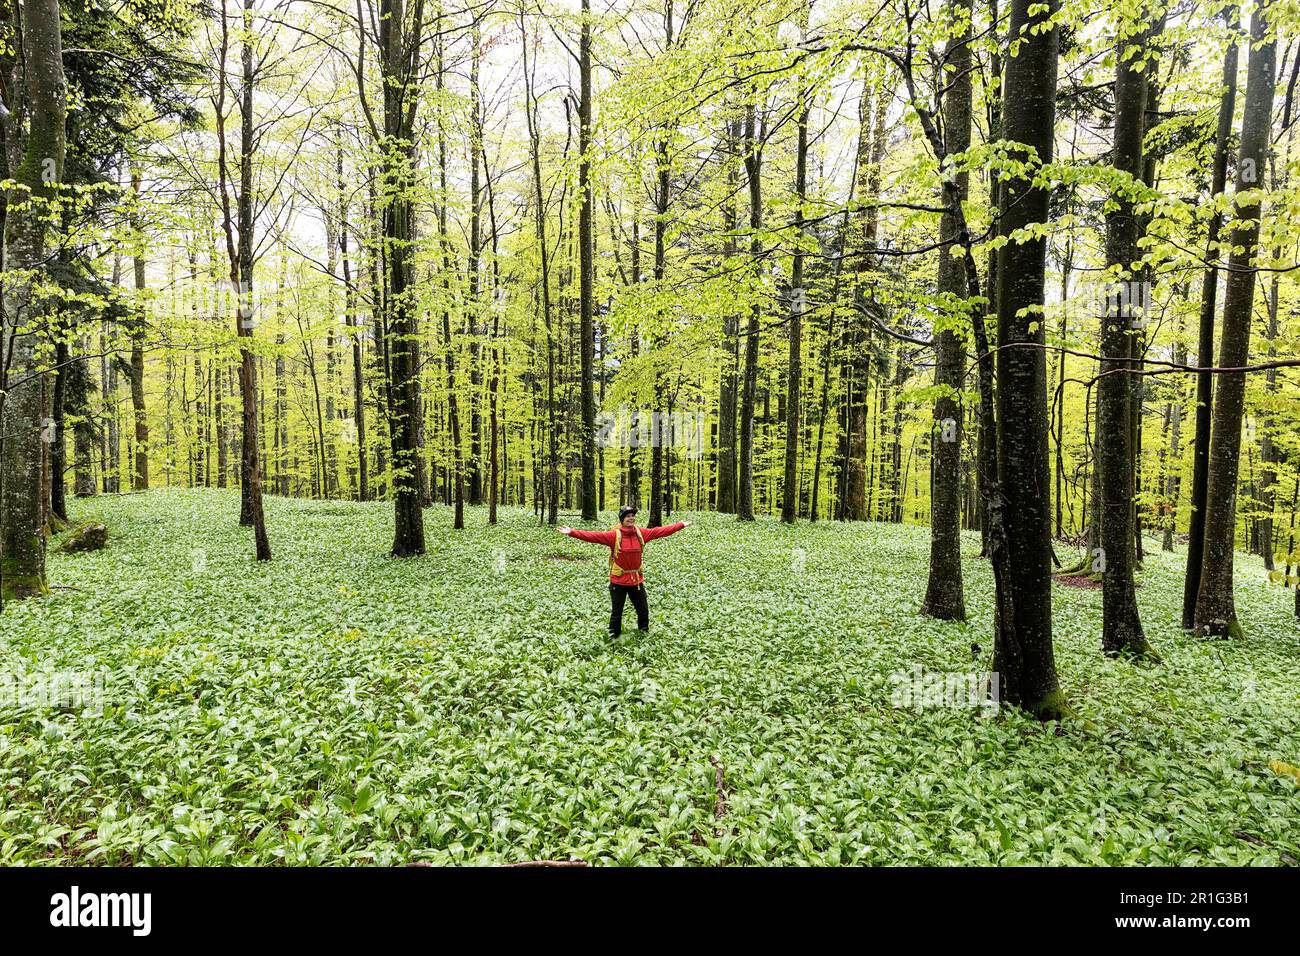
(20,584)
(1053,706)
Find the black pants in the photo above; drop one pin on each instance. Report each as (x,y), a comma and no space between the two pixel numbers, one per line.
(618,593)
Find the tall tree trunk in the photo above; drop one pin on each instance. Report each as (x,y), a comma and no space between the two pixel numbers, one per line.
(1205,333)
(749,389)
(1216,612)
(353,321)
(281,418)
(586,268)
(659,435)
(854,504)
(986,454)
(83,432)
(1125,312)
(47,429)
(200,390)
(58,440)
(1174,412)
(944,595)
(241,277)
(329,455)
(790,482)
(499,465)
(551,486)
(473,267)
(726,495)
(83,443)
(140,476)
(1059,460)
(400,44)
(22,538)
(827,348)
(112,456)
(633,458)
(896,489)
(1019,509)
(1269,457)
(219,420)
(453,396)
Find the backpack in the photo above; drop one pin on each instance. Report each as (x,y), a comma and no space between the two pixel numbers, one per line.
(614,569)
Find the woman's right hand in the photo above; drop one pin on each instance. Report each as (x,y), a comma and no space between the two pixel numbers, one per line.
(564,530)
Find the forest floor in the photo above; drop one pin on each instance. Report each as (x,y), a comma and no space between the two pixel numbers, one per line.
(336,706)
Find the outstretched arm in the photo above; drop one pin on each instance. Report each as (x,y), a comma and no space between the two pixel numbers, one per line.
(595,537)
(664,531)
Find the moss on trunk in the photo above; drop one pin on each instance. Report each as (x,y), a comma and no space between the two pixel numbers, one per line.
(18,582)
(1053,706)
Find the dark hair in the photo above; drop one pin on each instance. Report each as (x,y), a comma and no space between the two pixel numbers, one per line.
(624,511)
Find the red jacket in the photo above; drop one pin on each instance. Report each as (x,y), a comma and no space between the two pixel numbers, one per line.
(629,553)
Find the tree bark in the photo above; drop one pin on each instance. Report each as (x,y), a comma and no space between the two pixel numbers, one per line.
(241,254)
(1216,612)
(749,388)
(400,44)
(1269,455)
(790,483)
(726,477)
(22,537)
(1021,504)
(944,595)
(659,434)
(1124,314)
(857,336)
(550,487)
(58,439)
(140,475)
(1205,334)
(586,268)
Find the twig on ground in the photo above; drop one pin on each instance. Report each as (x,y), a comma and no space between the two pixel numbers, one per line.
(720,785)
(1286,858)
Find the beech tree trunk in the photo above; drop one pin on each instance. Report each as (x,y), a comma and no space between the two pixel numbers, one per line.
(1205,335)
(399,55)
(240,252)
(1216,613)
(58,440)
(726,494)
(790,483)
(749,387)
(140,475)
(1124,314)
(944,595)
(1020,509)
(22,451)
(586,268)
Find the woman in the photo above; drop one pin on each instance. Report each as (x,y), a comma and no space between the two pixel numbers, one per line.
(625,542)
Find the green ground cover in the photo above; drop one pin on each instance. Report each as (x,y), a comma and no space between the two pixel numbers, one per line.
(340,707)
